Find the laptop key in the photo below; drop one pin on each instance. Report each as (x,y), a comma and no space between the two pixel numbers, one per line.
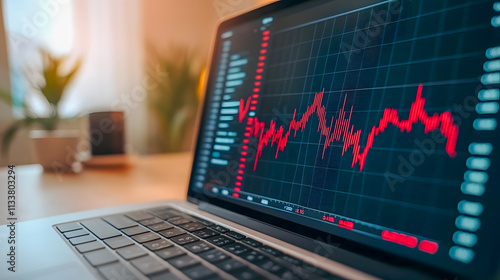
(169,233)
(220,240)
(236,248)
(134,230)
(131,252)
(291,260)
(81,239)
(220,229)
(247,274)
(68,227)
(158,244)
(87,247)
(116,271)
(100,257)
(120,221)
(146,237)
(160,227)
(166,210)
(205,233)
(100,228)
(75,233)
(139,215)
(169,253)
(148,265)
(271,266)
(192,226)
(183,261)
(214,256)
(215,277)
(118,242)
(251,242)
(235,235)
(198,272)
(198,247)
(165,275)
(254,257)
(270,250)
(179,220)
(166,215)
(230,265)
(288,275)
(152,221)
(184,239)
(204,222)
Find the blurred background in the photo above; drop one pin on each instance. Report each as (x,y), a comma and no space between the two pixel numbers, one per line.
(146,58)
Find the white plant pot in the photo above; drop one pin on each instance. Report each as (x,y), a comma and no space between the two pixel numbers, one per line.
(57,149)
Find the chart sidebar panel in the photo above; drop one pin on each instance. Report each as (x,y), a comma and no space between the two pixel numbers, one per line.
(239,73)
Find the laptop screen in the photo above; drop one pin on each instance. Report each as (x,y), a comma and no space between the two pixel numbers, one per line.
(374,121)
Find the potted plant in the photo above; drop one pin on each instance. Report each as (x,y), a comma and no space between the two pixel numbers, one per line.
(52,146)
(174,101)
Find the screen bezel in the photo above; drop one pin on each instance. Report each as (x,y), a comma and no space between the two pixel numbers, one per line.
(305,231)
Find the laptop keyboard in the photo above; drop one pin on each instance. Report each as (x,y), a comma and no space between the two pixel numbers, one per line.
(184,244)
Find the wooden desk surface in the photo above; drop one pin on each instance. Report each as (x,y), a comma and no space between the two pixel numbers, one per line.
(42,194)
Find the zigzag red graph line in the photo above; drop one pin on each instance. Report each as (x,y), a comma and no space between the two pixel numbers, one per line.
(342,130)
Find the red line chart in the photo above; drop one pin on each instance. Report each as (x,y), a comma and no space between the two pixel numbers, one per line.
(341,130)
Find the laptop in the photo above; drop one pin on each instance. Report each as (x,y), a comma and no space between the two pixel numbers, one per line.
(337,140)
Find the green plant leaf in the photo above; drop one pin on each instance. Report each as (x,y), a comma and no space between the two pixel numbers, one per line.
(8,135)
(6,97)
(69,77)
(11,131)
(175,97)
(55,82)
